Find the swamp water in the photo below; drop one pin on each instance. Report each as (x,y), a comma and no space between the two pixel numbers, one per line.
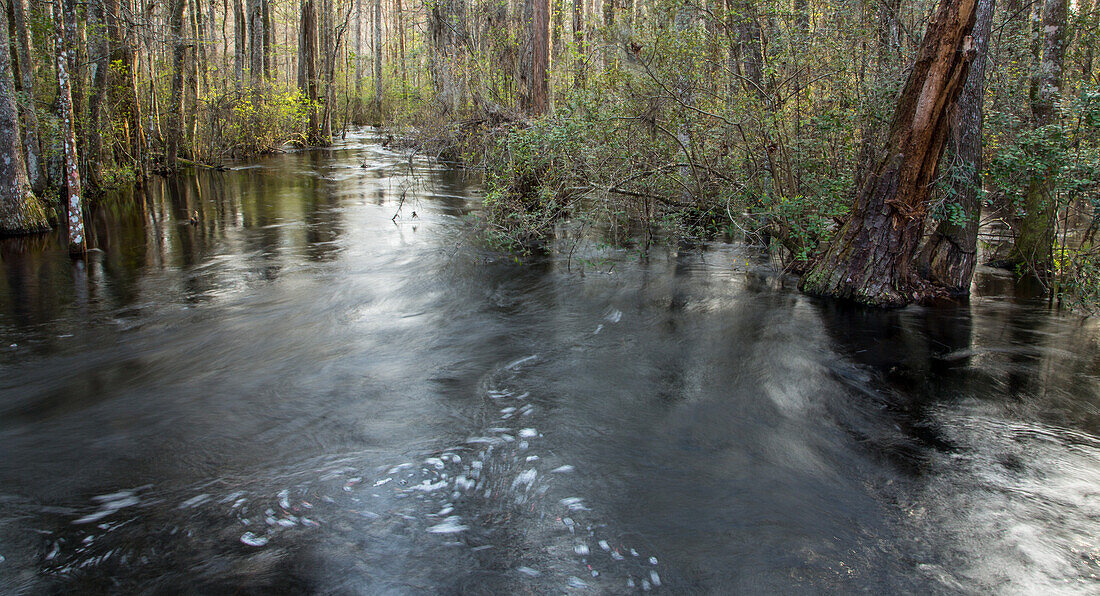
(304,394)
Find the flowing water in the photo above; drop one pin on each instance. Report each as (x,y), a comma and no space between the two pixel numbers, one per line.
(304,393)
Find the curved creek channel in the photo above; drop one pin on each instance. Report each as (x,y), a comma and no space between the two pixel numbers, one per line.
(302,393)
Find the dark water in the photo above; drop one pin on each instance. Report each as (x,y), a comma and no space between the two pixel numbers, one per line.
(301,394)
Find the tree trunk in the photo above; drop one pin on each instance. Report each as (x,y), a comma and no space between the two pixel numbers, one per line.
(538,79)
(750,61)
(578,41)
(122,86)
(175,103)
(240,29)
(268,32)
(358,55)
(869,259)
(949,256)
(72,192)
(99,49)
(31,147)
(256,39)
(20,211)
(1035,234)
(77,62)
(307,67)
(378,62)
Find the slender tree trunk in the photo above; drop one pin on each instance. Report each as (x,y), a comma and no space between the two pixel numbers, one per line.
(202,64)
(268,40)
(239,44)
(99,48)
(750,58)
(1035,236)
(72,192)
(869,259)
(578,41)
(77,62)
(685,88)
(401,41)
(31,146)
(358,56)
(557,11)
(122,85)
(378,62)
(175,103)
(949,256)
(20,211)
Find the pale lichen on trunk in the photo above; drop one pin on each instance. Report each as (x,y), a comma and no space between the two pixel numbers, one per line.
(20,211)
(72,191)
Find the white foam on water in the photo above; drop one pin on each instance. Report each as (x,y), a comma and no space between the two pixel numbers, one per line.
(451,525)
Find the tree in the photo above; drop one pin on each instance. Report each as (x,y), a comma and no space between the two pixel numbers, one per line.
(870,258)
(175,104)
(31,148)
(949,255)
(538,79)
(378,61)
(1035,233)
(307,67)
(72,196)
(20,211)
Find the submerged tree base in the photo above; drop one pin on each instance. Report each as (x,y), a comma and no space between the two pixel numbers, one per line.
(27,217)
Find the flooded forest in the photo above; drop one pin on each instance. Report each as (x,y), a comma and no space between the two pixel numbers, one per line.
(549,296)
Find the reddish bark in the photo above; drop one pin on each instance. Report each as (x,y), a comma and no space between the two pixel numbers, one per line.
(869,259)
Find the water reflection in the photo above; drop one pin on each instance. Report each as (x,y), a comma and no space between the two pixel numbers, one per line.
(311,389)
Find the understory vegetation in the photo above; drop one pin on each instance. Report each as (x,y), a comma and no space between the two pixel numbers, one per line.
(651,120)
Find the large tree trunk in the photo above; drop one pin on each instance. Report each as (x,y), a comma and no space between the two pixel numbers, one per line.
(20,211)
(307,67)
(748,55)
(256,39)
(72,192)
(1035,233)
(31,147)
(175,103)
(268,39)
(870,258)
(538,79)
(240,44)
(444,21)
(949,256)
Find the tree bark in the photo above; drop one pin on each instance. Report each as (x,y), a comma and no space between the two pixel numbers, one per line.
(175,102)
(99,48)
(538,79)
(122,84)
(949,256)
(578,41)
(31,147)
(72,192)
(20,211)
(869,259)
(240,29)
(256,39)
(378,62)
(307,67)
(1035,233)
